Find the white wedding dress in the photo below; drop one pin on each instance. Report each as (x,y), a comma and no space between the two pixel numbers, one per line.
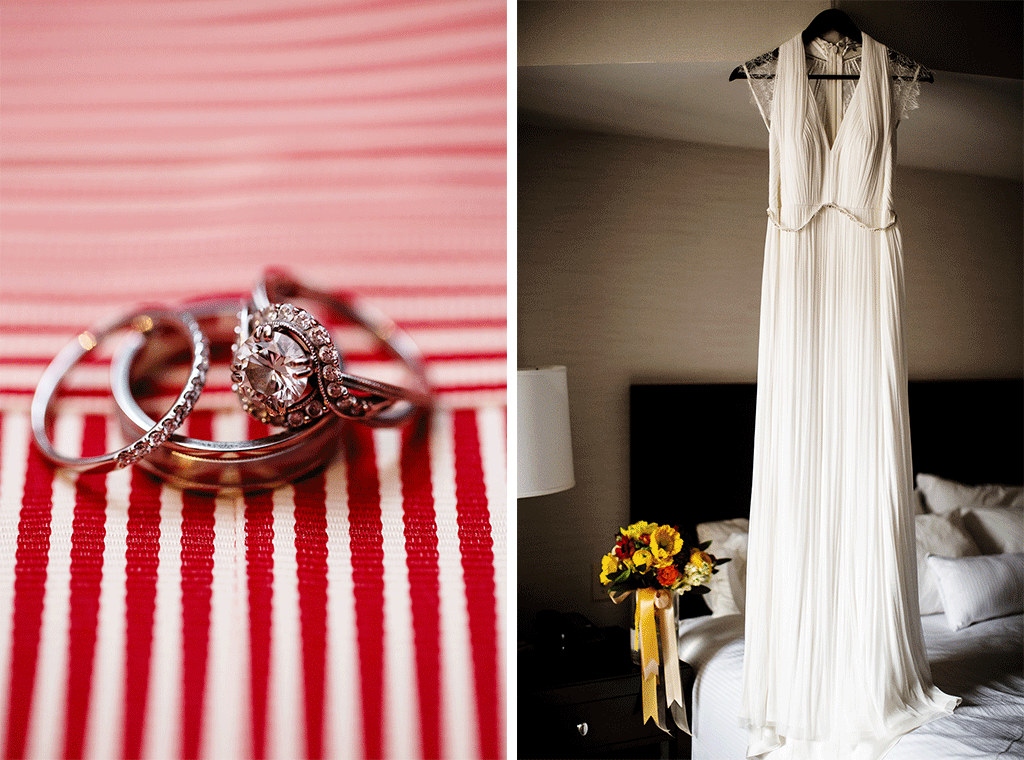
(834,664)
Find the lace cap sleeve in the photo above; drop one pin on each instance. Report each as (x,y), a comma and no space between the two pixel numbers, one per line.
(906,83)
(760,73)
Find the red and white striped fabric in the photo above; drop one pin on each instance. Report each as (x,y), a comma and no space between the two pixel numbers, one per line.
(171,150)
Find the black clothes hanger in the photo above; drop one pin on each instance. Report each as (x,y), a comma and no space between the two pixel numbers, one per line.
(833,19)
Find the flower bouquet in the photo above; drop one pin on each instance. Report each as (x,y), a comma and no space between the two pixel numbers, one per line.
(654,562)
(648,555)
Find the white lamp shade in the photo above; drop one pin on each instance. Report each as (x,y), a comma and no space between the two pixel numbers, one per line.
(543,439)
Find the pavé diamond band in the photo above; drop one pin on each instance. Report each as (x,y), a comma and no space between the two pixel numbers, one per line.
(148,438)
(287,371)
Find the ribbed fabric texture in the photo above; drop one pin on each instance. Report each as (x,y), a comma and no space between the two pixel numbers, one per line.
(834,665)
(168,151)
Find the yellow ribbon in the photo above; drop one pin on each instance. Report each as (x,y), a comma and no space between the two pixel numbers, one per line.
(655,614)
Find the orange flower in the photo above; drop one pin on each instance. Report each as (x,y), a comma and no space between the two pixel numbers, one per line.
(668,575)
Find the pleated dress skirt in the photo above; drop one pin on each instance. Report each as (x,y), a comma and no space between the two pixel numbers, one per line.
(835,661)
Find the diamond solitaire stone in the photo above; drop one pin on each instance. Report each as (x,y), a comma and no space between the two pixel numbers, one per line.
(274,370)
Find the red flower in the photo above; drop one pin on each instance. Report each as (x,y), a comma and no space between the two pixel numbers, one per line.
(624,547)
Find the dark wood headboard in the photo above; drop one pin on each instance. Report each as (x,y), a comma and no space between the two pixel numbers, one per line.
(692,446)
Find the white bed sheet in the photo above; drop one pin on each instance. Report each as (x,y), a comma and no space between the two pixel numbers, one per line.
(982,664)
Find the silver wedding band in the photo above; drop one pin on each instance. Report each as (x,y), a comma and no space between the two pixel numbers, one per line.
(148,438)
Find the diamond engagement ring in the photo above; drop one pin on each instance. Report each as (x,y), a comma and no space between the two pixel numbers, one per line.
(144,321)
(287,371)
(212,466)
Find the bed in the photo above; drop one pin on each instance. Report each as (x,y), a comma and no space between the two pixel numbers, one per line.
(967,444)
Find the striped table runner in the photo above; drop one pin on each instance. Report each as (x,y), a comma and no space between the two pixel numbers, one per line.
(171,150)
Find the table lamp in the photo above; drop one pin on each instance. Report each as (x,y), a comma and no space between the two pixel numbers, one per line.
(543,439)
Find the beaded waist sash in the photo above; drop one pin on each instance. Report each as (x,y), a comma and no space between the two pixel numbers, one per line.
(794,217)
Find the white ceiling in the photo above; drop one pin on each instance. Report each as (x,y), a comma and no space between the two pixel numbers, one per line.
(660,69)
(966,123)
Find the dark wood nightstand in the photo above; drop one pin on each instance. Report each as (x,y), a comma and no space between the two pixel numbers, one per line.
(569,708)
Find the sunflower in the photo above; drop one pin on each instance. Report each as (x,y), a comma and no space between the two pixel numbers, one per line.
(665,542)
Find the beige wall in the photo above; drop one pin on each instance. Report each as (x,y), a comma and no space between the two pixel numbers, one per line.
(640,260)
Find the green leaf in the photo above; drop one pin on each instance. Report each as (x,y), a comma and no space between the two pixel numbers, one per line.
(700,590)
(723,560)
(704,546)
(621,576)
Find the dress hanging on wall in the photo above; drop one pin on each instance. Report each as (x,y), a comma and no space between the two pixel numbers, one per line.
(835,664)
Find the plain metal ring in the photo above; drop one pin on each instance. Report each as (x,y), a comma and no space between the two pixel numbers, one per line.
(197,464)
(373,402)
(151,436)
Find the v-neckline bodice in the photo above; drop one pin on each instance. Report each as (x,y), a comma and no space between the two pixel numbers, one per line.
(866,70)
(852,171)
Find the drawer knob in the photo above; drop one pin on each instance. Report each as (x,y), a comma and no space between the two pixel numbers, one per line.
(582,728)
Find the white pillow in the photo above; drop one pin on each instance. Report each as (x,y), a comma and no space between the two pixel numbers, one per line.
(945,536)
(979,588)
(996,530)
(718,532)
(735,547)
(721,599)
(943,496)
(727,594)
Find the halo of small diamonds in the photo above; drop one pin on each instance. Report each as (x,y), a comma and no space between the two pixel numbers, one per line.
(287,372)
(278,370)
